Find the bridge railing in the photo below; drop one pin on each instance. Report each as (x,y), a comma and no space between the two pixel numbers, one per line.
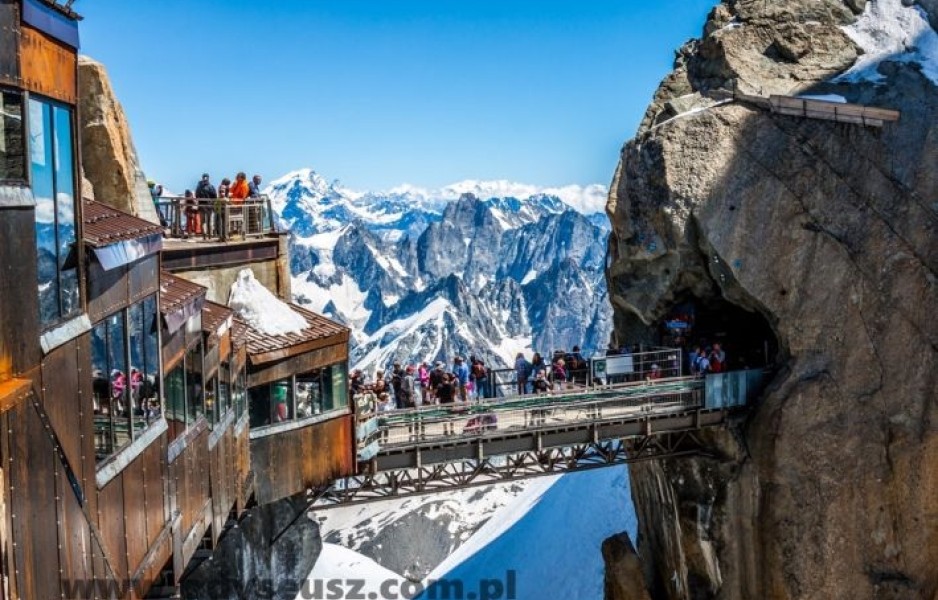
(216,219)
(527,412)
(597,372)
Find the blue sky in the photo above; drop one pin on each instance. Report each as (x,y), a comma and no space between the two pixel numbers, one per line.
(378,93)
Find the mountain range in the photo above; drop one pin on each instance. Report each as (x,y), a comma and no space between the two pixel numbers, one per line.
(426,275)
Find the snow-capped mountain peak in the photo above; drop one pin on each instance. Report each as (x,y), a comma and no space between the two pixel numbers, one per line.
(423,275)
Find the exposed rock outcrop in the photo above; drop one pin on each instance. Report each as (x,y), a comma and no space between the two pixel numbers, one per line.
(268,554)
(828,231)
(108,156)
(624,579)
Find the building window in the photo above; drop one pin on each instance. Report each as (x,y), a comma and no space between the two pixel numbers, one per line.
(52,171)
(185,392)
(125,376)
(12,149)
(299,397)
(221,387)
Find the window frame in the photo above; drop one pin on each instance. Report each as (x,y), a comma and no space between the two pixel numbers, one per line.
(293,421)
(25,181)
(77,246)
(134,434)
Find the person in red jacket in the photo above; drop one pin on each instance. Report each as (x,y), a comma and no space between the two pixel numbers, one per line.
(239,189)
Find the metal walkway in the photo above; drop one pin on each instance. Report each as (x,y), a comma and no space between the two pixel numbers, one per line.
(436,448)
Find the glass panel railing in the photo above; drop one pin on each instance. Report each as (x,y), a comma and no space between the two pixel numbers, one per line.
(735,388)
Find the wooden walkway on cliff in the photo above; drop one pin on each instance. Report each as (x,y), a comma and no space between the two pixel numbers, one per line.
(813,108)
(435,448)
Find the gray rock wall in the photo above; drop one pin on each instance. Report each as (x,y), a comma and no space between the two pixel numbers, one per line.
(829,232)
(268,554)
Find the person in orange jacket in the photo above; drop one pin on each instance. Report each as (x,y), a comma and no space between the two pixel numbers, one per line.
(239,189)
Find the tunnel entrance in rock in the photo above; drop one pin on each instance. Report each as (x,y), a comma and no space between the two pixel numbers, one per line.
(745,336)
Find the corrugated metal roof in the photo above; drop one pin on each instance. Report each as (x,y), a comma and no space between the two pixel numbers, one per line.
(320,332)
(214,316)
(104,225)
(177,295)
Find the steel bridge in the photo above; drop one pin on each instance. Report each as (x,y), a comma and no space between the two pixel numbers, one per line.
(440,447)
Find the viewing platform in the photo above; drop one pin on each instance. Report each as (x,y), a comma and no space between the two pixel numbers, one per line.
(209,241)
(583,425)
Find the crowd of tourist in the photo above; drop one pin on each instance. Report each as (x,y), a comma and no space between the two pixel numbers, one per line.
(403,386)
(202,209)
(466,380)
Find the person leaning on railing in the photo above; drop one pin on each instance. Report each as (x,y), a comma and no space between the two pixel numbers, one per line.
(205,194)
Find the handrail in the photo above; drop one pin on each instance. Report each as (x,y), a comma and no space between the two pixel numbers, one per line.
(216,219)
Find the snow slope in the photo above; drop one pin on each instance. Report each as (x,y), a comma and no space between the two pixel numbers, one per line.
(889,30)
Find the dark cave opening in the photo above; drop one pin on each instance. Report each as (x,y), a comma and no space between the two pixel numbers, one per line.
(746,336)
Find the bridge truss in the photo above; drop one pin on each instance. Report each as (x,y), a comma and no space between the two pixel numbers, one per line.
(438,477)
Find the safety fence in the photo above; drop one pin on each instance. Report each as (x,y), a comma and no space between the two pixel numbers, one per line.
(216,219)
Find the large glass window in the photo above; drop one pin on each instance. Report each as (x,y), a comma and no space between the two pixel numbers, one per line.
(185,392)
(195,397)
(238,393)
(222,393)
(299,397)
(125,376)
(53,182)
(176,400)
(12,149)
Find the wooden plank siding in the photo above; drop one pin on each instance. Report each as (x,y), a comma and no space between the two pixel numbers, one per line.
(289,463)
(47,66)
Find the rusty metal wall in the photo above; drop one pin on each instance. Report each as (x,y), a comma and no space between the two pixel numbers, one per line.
(19,313)
(48,67)
(289,463)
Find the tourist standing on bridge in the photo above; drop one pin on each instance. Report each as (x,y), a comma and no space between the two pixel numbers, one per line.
(480,378)
(537,363)
(560,373)
(423,379)
(717,359)
(541,386)
(446,393)
(436,379)
(522,373)
(407,388)
(397,379)
(461,370)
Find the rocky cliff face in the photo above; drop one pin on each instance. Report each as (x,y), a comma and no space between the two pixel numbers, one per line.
(827,231)
(108,157)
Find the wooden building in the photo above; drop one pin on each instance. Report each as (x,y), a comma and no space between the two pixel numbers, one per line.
(138,418)
(302,432)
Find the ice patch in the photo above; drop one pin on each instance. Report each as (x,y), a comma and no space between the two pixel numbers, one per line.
(261,309)
(824,98)
(887,30)
(336,563)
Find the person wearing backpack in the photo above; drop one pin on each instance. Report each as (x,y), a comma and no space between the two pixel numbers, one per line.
(480,378)
(397,379)
(522,373)
(703,364)
(461,371)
